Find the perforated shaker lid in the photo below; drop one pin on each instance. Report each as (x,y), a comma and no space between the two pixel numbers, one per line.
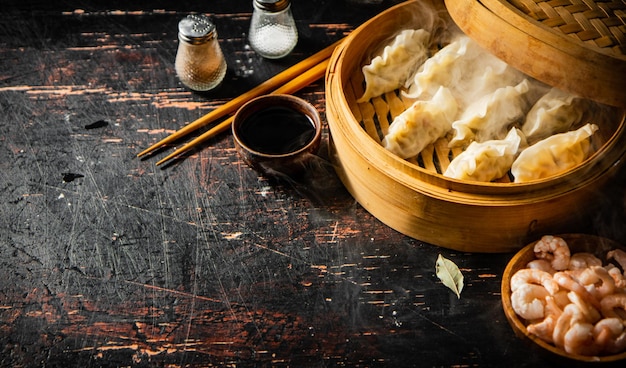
(272,5)
(196,28)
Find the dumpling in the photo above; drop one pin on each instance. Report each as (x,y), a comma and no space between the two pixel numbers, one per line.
(421,124)
(398,61)
(477,82)
(488,160)
(439,70)
(553,155)
(555,112)
(465,68)
(490,116)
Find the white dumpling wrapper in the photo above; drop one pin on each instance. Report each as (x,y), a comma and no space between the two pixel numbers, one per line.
(439,70)
(553,155)
(468,70)
(490,116)
(477,82)
(398,61)
(421,124)
(488,160)
(555,112)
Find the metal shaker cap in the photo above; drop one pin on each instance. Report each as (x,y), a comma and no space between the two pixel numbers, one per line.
(272,5)
(196,28)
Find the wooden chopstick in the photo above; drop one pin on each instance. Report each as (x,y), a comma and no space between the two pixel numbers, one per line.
(232,105)
(292,86)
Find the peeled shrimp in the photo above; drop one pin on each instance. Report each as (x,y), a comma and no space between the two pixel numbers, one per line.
(614,305)
(561,299)
(579,340)
(619,256)
(570,316)
(609,333)
(542,265)
(617,275)
(597,281)
(567,282)
(528,301)
(544,329)
(588,312)
(533,276)
(555,250)
(583,260)
(552,307)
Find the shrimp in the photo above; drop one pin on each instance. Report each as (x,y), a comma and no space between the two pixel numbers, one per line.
(542,265)
(544,329)
(561,299)
(588,312)
(583,260)
(552,307)
(571,315)
(566,281)
(579,339)
(614,305)
(532,276)
(619,256)
(617,275)
(597,281)
(610,335)
(528,301)
(555,250)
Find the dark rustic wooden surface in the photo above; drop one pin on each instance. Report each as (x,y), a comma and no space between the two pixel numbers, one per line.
(107,260)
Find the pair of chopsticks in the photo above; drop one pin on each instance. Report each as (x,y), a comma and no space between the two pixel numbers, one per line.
(289,81)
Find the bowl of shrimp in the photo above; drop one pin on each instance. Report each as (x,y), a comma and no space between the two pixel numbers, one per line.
(567,294)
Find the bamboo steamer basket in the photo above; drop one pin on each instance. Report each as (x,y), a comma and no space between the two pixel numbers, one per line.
(413,197)
(596,245)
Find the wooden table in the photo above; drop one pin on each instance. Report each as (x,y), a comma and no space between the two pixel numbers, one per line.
(108,260)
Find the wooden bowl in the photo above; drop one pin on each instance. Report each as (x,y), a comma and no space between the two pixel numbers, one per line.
(577,243)
(266,138)
(412,196)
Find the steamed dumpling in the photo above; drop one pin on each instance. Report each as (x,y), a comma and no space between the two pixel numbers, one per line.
(490,116)
(390,70)
(555,112)
(553,155)
(475,83)
(488,160)
(455,67)
(440,69)
(421,124)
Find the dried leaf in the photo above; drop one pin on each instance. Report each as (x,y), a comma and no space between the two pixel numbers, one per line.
(449,274)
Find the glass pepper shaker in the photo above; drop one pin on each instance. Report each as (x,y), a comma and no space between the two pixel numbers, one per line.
(200,64)
(273,33)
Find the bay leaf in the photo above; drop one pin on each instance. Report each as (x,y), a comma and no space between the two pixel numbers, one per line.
(448,272)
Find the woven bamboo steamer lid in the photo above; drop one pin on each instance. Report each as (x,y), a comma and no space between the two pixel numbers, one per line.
(576,45)
(416,199)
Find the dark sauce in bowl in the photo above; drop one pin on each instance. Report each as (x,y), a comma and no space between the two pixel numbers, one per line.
(277,134)
(276,130)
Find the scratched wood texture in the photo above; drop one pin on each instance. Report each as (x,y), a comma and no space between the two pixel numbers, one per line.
(107,260)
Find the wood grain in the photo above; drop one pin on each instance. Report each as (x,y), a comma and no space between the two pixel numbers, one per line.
(203,263)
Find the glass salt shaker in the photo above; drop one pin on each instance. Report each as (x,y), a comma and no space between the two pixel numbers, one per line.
(200,64)
(273,33)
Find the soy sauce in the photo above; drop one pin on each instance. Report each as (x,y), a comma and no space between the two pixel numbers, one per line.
(277,130)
